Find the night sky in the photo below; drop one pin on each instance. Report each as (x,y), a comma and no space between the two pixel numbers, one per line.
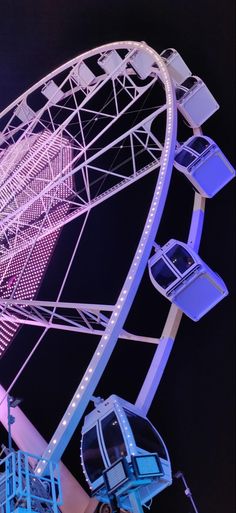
(193,408)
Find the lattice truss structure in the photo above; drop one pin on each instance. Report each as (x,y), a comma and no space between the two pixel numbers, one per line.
(75,139)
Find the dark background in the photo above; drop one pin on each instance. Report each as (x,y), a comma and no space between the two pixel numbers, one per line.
(193,409)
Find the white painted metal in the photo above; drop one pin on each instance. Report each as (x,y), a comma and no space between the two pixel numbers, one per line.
(162,353)
(26,437)
(46,314)
(177,68)
(80,79)
(31,146)
(120,311)
(189,103)
(34,205)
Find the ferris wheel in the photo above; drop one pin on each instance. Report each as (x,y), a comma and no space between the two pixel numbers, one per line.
(87,131)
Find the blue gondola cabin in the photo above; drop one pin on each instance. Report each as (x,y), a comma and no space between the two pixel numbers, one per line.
(177,68)
(122,451)
(180,275)
(195,102)
(204,164)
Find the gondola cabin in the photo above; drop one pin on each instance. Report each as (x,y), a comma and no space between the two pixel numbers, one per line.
(177,68)
(204,164)
(180,275)
(142,63)
(122,451)
(195,102)
(110,61)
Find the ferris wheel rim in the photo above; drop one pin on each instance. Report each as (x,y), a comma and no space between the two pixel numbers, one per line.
(131,283)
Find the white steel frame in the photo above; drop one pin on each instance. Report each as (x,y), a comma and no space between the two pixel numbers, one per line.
(106,320)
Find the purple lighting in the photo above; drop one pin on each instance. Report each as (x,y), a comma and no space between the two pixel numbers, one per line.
(21,272)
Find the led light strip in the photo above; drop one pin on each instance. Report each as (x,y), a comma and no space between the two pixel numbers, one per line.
(107,343)
(12,282)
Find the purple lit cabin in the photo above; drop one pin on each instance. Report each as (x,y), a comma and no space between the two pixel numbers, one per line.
(14,283)
(180,275)
(177,68)
(195,102)
(204,164)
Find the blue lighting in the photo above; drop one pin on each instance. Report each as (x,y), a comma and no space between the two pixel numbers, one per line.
(147,465)
(117,474)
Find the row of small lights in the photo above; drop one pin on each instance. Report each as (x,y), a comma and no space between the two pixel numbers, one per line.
(83,466)
(54,217)
(154,205)
(126,427)
(124,294)
(23,289)
(26,114)
(35,209)
(20,168)
(70,410)
(52,151)
(11,156)
(6,333)
(55,147)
